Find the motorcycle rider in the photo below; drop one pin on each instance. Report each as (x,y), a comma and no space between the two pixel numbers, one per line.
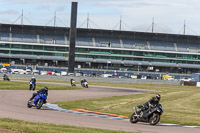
(152,102)
(5,77)
(83,81)
(72,82)
(44,90)
(32,82)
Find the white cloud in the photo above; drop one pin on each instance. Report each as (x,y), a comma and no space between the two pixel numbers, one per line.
(43,7)
(9,12)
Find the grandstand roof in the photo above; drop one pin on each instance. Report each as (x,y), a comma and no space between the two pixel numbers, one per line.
(100,33)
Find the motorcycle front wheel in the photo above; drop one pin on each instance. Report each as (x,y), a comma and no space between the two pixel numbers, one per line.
(39,104)
(154,119)
(133,118)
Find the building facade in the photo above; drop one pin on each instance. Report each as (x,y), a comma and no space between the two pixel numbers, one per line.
(100,49)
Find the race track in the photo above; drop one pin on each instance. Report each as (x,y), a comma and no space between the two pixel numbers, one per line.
(13,105)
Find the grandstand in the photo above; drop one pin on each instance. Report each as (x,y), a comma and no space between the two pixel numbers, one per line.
(100,49)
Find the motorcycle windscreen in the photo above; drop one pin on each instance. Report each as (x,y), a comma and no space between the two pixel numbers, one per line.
(44,96)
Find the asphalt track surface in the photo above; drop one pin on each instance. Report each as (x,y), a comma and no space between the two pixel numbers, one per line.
(13,105)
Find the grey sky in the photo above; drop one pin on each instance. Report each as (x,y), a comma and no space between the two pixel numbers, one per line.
(169,15)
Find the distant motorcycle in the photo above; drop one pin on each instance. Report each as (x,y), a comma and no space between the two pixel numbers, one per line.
(6,78)
(151,115)
(73,83)
(84,84)
(32,85)
(37,101)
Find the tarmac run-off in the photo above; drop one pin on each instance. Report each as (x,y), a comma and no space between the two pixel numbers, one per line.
(13,105)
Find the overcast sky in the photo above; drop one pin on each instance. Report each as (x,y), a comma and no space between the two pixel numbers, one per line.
(137,15)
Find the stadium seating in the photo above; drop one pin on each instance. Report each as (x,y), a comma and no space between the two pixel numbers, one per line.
(185,47)
(134,44)
(4,36)
(18,37)
(101,42)
(162,46)
(52,39)
(107,42)
(84,41)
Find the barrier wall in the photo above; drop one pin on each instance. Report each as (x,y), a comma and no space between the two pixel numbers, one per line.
(95,79)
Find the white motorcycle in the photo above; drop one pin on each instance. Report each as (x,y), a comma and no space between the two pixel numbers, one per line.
(85,84)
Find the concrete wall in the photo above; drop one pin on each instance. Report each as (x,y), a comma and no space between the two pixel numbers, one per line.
(95,79)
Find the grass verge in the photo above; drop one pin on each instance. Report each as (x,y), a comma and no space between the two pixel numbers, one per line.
(180,103)
(11,85)
(30,127)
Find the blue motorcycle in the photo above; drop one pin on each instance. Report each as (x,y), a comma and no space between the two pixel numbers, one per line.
(38,100)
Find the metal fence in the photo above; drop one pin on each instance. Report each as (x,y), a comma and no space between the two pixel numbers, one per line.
(95,79)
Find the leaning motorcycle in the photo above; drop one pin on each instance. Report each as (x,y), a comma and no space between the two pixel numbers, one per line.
(85,84)
(6,78)
(37,101)
(151,115)
(73,83)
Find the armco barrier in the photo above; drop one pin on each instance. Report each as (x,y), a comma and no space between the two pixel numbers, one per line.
(96,79)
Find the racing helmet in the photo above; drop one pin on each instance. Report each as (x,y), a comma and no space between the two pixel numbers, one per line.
(45,88)
(158,96)
(33,77)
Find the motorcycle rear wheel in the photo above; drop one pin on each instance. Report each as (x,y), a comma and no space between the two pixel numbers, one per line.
(39,104)
(133,119)
(33,88)
(154,119)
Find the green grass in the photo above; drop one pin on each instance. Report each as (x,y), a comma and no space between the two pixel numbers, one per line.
(30,127)
(11,85)
(181,104)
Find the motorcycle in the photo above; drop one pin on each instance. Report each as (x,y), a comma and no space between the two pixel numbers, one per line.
(32,85)
(84,84)
(6,78)
(37,101)
(151,115)
(73,83)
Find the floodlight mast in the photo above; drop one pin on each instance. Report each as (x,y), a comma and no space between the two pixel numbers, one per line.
(184,28)
(71,59)
(22,18)
(152,26)
(55,20)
